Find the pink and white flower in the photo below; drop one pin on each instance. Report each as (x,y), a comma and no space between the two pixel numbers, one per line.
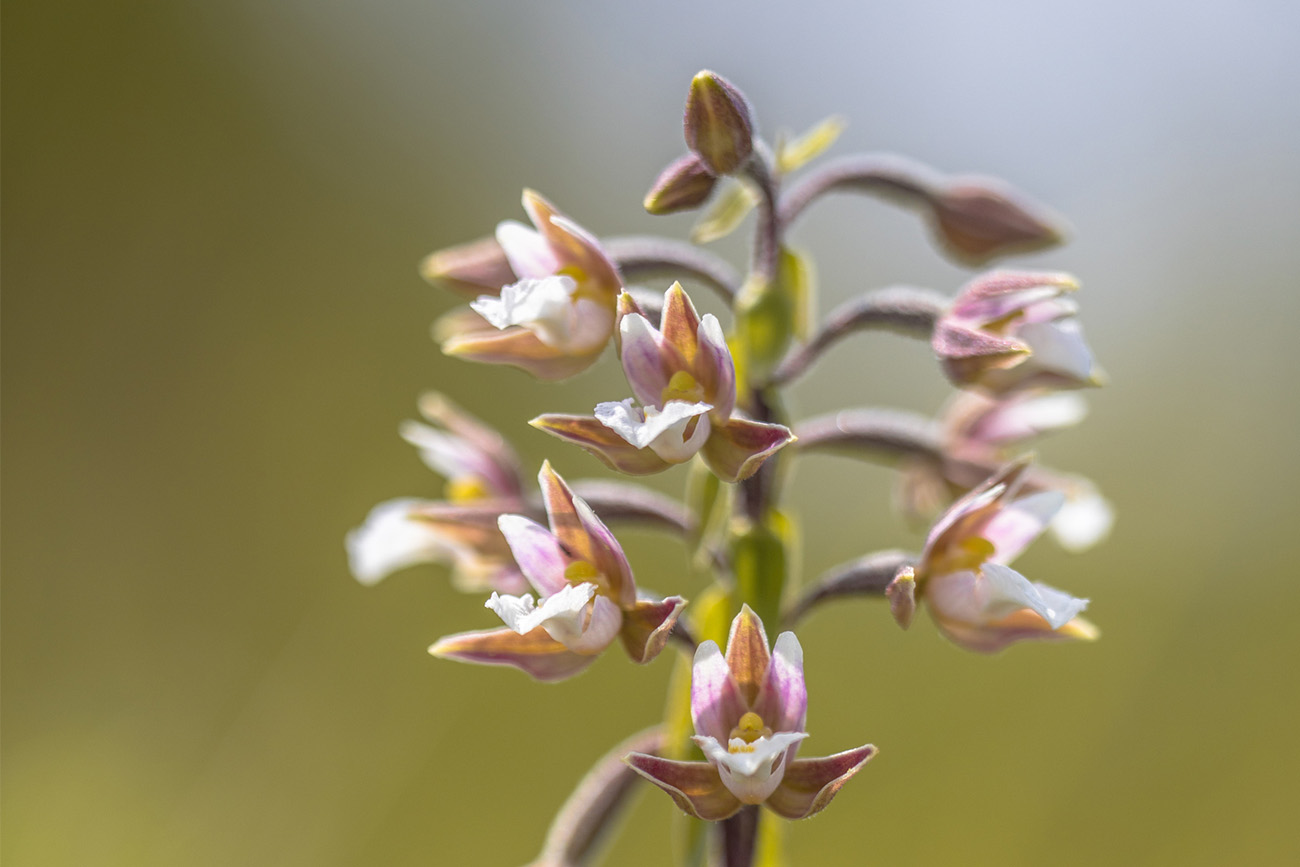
(749,708)
(483,482)
(976,599)
(1010,330)
(558,314)
(684,382)
(586,596)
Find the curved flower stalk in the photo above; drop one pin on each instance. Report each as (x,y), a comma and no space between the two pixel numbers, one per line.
(749,708)
(685,404)
(587,596)
(483,481)
(1008,331)
(974,597)
(555,319)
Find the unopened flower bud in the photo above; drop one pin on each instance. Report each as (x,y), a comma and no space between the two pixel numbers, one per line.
(477,268)
(978,219)
(685,184)
(719,127)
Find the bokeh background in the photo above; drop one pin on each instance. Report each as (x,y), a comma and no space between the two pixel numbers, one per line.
(212,326)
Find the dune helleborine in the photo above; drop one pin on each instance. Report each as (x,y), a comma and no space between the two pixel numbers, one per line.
(974,597)
(558,314)
(587,596)
(1011,330)
(749,708)
(684,382)
(483,482)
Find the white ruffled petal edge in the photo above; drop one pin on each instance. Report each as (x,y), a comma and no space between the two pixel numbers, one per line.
(564,611)
(662,431)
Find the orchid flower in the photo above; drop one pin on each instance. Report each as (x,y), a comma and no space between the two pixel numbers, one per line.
(1008,331)
(483,481)
(749,708)
(974,597)
(587,596)
(555,318)
(980,426)
(684,382)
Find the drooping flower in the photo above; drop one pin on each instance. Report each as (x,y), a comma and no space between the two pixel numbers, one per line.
(587,596)
(981,433)
(983,429)
(684,382)
(749,708)
(555,318)
(1008,331)
(483,482)
(974,597)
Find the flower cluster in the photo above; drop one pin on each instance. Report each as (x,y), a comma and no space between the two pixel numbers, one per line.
(710,392)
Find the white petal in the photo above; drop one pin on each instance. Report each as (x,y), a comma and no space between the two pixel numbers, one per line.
(755,770)
(1059,347)
(1062,607)
(390,540)
(1083,521)
(564,611)
(542,305)
(515,611)
(526,250)
(445,454)
(1014,526)
(663,431)
(1008,591)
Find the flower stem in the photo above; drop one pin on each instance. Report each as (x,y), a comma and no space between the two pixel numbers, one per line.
(739,836)
(894,177)
(900,309)
(642,255)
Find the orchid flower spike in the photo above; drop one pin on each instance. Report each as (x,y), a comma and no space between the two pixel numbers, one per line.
(555,319)
(749,708)
(974,597)
(1008,331)
(483,482)
(685,385)
(587,596)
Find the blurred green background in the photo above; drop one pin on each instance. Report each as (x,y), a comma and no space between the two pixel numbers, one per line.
(212,326)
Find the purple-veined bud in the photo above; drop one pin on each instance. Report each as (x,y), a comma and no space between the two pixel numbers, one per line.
(687,183)
(718,123)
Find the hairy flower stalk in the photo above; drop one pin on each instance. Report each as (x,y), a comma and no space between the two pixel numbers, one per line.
(712,391)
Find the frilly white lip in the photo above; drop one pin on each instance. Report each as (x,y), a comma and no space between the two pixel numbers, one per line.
(522,614)
(550,308)
(662,431)
(756,769)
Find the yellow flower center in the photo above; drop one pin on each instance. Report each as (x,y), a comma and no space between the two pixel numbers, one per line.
(583,279)
(467,489)
(749,729)
(580,572)
(969,554)
(682,386)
